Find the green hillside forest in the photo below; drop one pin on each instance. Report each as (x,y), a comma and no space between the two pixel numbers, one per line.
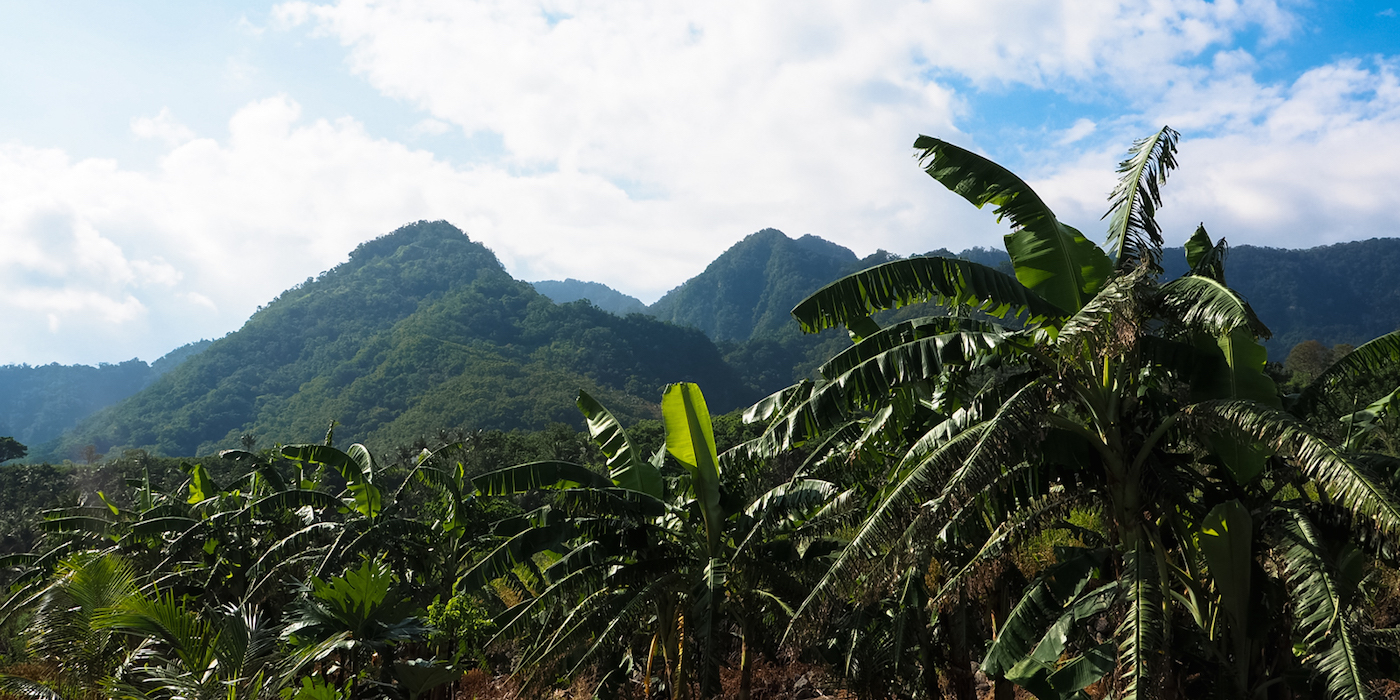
(420,329)
(740,301)
(38,403)
(1066,470)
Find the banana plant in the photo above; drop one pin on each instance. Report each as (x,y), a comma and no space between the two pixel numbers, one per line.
(1085,384)
(644,562)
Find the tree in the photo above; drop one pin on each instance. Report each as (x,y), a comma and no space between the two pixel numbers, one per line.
(1088,386)
(11,448)
(1307,360)
(67,629)
(89,454)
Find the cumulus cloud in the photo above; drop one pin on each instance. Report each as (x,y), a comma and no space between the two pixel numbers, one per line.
(640,139)
(163,127)
(1296,165)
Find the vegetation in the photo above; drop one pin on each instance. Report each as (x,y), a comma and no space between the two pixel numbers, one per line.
(11,448)
(420,329)
(1230,538)
(1066,474)
(759,278)
(39,403)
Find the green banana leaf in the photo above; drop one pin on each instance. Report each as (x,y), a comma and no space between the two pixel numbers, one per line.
(1134,237)
(356,466)
(1226,537)
(549,474)
(1235,370)
(691,440)
(626,466)
(1053,259)
(950,282)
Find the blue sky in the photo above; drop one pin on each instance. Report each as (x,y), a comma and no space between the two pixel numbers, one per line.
(166,167)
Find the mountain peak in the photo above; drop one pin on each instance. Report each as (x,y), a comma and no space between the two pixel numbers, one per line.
(751,287)
(426,235)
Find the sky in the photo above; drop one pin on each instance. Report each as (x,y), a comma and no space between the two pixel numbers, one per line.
(167,167)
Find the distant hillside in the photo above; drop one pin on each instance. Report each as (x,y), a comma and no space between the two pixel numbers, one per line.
(750,289)
(420,330)
(39,403)
(600,295)
(1341,293)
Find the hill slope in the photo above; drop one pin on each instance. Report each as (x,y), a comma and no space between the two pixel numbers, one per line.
(38,403)
(420,330)
(1341,293)
(750,288)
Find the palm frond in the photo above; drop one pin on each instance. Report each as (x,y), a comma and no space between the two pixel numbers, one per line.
(785,505)
(517,549)
(1042,604)
(1141,634)
(26,688)
(1319,619)
(1378,357)
(1032,517)
(888,517)
(868,383)
(1110,314)
(900,334)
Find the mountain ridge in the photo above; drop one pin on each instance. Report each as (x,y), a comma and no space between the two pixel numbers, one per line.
(420,329)
(510,335)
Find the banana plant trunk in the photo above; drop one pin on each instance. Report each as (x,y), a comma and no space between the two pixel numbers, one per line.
(745,664)
(960,673)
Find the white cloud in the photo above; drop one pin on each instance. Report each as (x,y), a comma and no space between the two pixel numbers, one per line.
(1297,165)
(431,127)
(162,127)
(1081,128)
(640,139)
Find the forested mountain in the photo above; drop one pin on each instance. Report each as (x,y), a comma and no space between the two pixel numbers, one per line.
(1340,293)
(423,330)
(39,403)
(601,295)
(749,289)
(420,330)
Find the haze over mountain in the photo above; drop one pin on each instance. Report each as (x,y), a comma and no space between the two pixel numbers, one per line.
(421,329)
(39,403)
(600,295)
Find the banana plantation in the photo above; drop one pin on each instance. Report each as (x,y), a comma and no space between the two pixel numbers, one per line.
(1073,482)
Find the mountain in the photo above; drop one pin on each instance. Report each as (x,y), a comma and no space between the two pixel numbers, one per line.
(601,295)
(420,330)
(39,403)
(1340,293)
(750,289)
